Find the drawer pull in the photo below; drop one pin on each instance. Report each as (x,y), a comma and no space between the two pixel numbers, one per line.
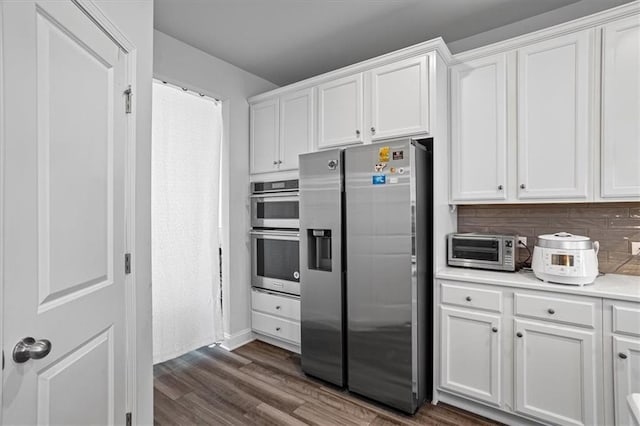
(622,355)
(468,298)
(551,311)
(494,329)
(278,307)
(277,328)
(519,334)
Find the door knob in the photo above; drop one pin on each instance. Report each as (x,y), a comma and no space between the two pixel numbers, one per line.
(28,348)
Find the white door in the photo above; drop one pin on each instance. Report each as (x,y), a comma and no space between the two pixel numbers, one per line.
(340,112)
(621,109)
(399,99)
(479,130)
(64,177)
(553,118)
(264,136)
(555,371)
(626,376)
(470,355)
(296,127)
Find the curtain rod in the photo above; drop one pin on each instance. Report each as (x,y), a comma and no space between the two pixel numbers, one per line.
(184,89)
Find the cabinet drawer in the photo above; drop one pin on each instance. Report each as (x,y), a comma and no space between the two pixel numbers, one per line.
(276,327)
(555,309)
(626,320)
(269,303)
(471,297)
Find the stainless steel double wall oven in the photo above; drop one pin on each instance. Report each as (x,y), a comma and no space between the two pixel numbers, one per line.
(275,240)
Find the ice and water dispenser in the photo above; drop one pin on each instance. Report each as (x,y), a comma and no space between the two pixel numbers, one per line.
(319,249)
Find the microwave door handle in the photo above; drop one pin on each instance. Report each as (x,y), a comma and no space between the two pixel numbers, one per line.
(292,195)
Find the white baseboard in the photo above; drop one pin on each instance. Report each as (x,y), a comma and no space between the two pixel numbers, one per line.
(291,347)
(235,340)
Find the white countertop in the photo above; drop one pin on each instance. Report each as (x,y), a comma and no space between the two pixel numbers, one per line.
(611,286)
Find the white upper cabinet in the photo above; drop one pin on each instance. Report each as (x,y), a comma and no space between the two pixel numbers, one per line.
(620,155)
(264,117)
(281,129)
(296,127)
(479,130)
(553,118)
(340,105)
(399,104)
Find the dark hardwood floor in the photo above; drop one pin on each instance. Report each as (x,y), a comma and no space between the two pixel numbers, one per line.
(262,384)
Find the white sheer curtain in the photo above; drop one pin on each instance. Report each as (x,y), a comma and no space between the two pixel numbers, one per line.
(186,139)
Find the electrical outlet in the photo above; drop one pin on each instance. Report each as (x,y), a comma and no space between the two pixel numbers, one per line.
(522,240)
(635,248)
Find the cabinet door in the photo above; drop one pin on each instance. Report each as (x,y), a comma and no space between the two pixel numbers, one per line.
(296,127)
(340,112)
(264,136)
(553,118)
(626,376)
(400,99)
(470,354)
(555,371)
(621,109)
(479,130)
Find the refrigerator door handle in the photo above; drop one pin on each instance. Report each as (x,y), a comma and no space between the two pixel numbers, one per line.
(414,274)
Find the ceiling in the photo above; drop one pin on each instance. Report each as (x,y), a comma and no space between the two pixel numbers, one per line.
(284,41)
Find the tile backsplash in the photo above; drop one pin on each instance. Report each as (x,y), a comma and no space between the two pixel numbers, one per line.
(615,225)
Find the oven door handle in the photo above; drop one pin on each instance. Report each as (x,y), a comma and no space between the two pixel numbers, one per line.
(276,235)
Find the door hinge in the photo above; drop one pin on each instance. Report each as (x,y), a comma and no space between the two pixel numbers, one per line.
(127,263)
(128,419)
(127,100)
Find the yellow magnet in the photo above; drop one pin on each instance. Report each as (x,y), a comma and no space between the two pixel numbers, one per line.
(383,154)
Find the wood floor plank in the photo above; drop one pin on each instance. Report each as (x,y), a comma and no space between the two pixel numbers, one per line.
(259,384)
(266,414)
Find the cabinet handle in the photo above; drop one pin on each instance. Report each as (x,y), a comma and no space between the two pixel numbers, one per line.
(500,187)
(277,328)
(468,298)
(278,307)
(373,130)
(519,334)
(279,161)
(551,311)
(275,163)
(622,355)
(494,329)
(523,186)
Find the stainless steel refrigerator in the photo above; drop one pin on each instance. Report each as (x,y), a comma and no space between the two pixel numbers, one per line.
(366,278)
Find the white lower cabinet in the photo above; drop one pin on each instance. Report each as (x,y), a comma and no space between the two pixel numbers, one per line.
(555,373)
(528,356)
(470,354)
(275,315)
(622,352)
(626,376)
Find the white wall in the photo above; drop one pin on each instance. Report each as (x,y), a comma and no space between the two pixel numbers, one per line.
(538,22)
(134,18)
(186,66)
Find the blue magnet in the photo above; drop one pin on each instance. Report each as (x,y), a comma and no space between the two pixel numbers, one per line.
(379,179)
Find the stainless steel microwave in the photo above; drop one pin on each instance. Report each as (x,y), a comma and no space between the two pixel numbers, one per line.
(275,205)
(275,260)
(483,251)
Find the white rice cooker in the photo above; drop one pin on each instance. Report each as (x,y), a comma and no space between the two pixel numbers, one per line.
(565,258)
